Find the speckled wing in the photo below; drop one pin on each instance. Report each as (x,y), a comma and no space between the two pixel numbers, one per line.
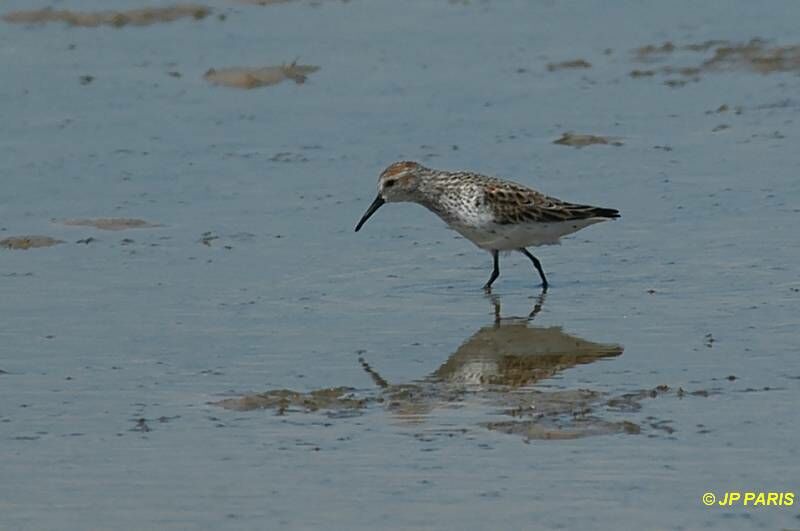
(512,203)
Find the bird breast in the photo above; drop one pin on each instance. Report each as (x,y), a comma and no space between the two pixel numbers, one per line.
(461,206)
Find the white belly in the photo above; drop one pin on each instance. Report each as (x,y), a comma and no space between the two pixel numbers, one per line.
(494,237)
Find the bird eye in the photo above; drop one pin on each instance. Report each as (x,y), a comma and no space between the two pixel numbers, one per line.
(390,183)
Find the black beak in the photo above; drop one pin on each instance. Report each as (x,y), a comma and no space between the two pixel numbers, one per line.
(371,210)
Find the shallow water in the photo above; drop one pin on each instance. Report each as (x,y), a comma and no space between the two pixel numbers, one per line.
(118,350)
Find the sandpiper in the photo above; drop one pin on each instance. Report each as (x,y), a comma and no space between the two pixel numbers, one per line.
(494,214)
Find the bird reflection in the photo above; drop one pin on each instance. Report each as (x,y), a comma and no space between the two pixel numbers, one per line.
(499,358)
(514,353)
(496,366)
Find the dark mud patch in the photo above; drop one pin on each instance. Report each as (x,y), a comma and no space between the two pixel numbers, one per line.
(118,19)
(333,399)
(288,157)
(575,414)
(263,2)
(28,242)
(111,223)
(579,141)
(653,52)
(724,108)
(569,65)
(250,78)
(580,428)
(756,55)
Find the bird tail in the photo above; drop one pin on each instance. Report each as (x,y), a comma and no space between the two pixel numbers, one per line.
(587,211)
(598,212)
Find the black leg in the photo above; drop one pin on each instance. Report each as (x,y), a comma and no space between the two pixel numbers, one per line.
(495,271)
(537,265)
(496,305)
(538,306)
(377,378)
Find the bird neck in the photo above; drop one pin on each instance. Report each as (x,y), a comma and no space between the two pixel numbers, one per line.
(436,193)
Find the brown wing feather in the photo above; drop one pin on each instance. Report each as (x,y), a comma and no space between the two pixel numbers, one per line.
(513,203)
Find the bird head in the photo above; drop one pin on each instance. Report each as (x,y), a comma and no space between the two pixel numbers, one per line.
(398,182)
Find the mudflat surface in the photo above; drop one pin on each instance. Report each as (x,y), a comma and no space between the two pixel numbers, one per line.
(194,338)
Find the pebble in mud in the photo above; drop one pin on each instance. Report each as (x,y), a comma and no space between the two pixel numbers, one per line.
(207,238)
(141,426)
(708,340)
